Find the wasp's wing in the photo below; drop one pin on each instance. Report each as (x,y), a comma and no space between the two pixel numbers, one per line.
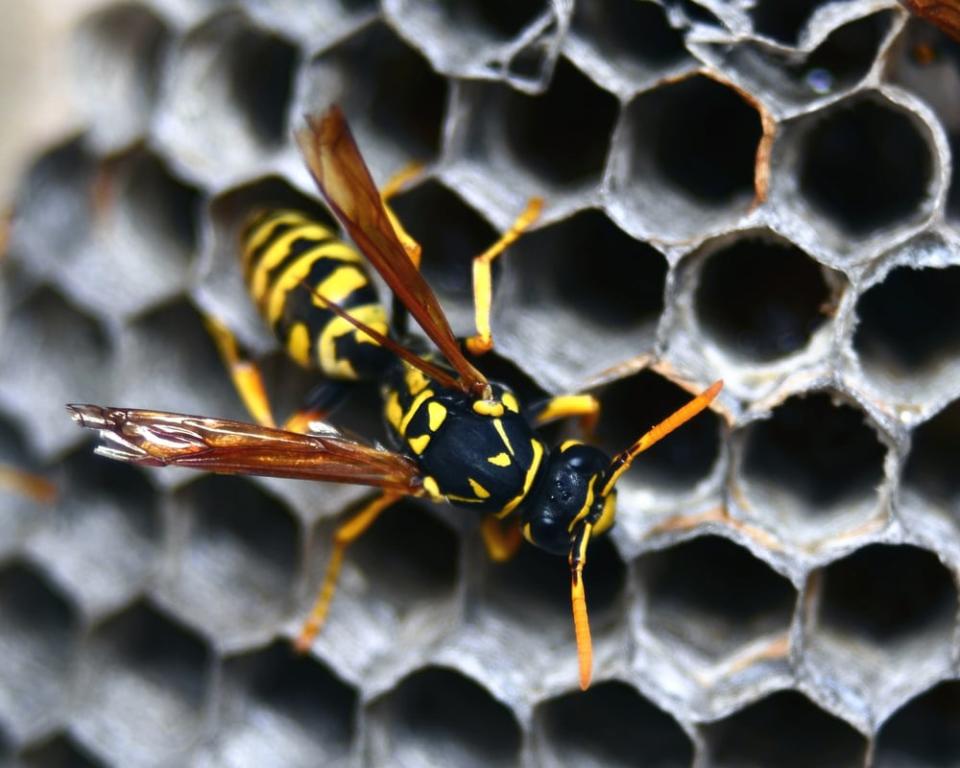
(155,438)
(343,177)
(944,13)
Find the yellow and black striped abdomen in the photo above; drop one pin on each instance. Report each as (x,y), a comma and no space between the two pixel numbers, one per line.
(287,259)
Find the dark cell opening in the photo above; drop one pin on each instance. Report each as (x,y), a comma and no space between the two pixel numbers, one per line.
(695,12)
(887,593)
(821,452)
(615,724)
(30,609)
(59,752)
(451,233)
(923,732)
(698,136)
(166,206)
(783,20)
(562,135)
(935,455)
(261,81)
(911,320)
(865,166)
(630,31)
(787,730)
(848,52)
(763,300)
(595,269)
(633,405)
(448,714)
(497,19)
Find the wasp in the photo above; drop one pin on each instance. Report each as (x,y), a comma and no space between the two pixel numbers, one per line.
(459,438)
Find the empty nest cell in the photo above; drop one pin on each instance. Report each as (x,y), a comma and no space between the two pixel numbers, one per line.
(909,325)
(784,729)
(394,100)
(238,559)
(923,732)
(714,597)
(865,165)
(21,515)
(39,628)
(613,725)
(812,468)
(689,156)
(761,298)
(60,751)
(784,20)
(144,681)
(438,711)
(117,56)
(934,454)
(280,708)
(227,96)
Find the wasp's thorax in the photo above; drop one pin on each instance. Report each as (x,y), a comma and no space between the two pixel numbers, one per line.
(568,495)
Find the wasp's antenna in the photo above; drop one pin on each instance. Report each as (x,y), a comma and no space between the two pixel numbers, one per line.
(622,461)
(578,599)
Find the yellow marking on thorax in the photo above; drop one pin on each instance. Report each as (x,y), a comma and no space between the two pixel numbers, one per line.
(262,231)
(527,480)
(298,344)
(478,490)
(372,315)
(412,410)
(500,460)
(430,485)
(436,414)
(393,410)
(511,402)
(488,407)
(415,380)
(272,304)
(419,444)
(278,250)
(498,425)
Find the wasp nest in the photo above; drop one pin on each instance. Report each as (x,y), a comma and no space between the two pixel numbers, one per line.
(759,191)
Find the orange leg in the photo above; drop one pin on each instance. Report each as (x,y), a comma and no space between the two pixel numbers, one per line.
(501,540)
(584,407)
(26,484)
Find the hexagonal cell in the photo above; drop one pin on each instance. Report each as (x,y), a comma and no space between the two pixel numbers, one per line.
(315,24)
(908,335)
(51,353)
(610,725)
(552,144)
(625,44)
(240,556)
(146,210)
(22,515)
(468,38)
(674,466)
(610,286)
(687,159)
(931,465)
(105,545)
(171,363)
(812,471)
(838,64)
(784,729)
(53,209)
(896,605)
(784,20)
(280,709)
(760,298)
(60,751)
(862,168)
(117,55)
(144,682)
(922,733)
(397,590)
(394,100)
(438,712)
(714,596)
(226,98)
(38,633)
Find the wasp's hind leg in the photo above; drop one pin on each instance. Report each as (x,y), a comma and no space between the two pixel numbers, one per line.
(26,484)
(501,538)
(586,408)
(345,535)
(245,373)
(483,279)
(395,184)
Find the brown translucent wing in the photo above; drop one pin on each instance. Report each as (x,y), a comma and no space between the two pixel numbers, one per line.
(944,13)
(343,177)
(155,438)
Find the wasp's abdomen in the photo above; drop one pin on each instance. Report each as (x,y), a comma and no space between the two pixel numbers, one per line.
(290,259)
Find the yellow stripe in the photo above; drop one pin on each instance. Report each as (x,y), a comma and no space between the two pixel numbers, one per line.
(527,480)
(372,315)
(340,284)
(479,490)
(587,503)
(412,410)
(498,425)
(271,305)
(298,344)
(500,460)
(261,233)
(278,250)
(393,410)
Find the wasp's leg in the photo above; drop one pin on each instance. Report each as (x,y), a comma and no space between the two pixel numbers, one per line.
(322,400)
(394,185)
(26,484)
(501,539)
(584,407)
(483,279)
(345,535)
